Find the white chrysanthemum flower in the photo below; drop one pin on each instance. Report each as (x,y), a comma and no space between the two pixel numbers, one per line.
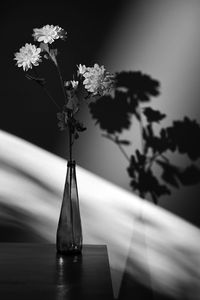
(27,56)
(98,80)
(81,69)
(74,83)
(48,34)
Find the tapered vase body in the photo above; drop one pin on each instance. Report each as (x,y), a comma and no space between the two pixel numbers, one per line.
(69,231)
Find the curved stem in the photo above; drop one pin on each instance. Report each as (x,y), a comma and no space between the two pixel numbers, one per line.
(50,97)
(61,82)
(46,90)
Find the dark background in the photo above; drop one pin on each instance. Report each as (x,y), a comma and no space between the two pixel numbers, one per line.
(160,38)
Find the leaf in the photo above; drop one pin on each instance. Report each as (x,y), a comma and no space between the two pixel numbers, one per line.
(73,102)
(62,120)
(46,56)
(76,135)
(79,126)
(44,47)
(53,53)
(153,115)
(60,116)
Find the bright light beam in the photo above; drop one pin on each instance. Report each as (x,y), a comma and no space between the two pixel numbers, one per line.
(157,243)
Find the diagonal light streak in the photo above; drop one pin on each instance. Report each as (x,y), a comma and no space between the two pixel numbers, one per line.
(156,243)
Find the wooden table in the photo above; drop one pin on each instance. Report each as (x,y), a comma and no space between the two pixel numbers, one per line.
(35,271)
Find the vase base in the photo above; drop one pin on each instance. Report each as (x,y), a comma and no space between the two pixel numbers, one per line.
(69,251)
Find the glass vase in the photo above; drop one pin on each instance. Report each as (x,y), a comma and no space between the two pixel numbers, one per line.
(69,231)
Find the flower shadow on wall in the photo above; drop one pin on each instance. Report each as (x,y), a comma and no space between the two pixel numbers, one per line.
(133,91)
